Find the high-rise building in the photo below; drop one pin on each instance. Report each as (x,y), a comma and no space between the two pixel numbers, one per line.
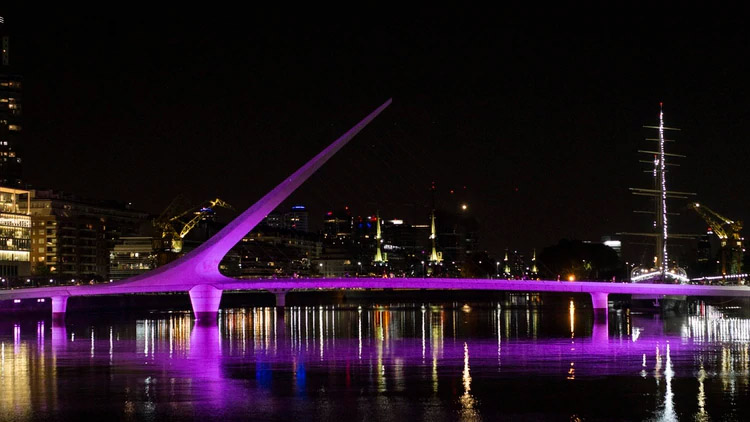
(273,220)
(297,219)
(338,226)
(267,251)
(72,238)
(15,233)
(408,247)
(10,114)
(339,255)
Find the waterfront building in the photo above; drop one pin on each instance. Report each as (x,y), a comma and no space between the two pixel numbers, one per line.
(268,251)
(338,226)
(339,257)
(273,220)
(72,238)
(456,239)
(614,243)
(297,218)
(132,255)
(407,245)
(517,265)
(11,107)
(15,233)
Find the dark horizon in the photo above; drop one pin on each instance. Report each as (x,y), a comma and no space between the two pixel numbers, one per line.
(540,123)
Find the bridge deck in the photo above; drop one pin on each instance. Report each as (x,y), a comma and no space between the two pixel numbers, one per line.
(387,283)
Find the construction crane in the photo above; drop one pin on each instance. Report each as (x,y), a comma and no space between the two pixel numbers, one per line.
(173,225)
(728,232)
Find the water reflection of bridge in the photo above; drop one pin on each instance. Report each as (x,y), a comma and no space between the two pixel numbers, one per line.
(390,347)
(198,272)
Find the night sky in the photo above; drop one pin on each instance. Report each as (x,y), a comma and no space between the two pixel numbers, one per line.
(540,121)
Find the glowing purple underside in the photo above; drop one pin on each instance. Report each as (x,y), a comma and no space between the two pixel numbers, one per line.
(226,283)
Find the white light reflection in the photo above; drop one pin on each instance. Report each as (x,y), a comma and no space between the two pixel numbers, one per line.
(436,330)
(145,337)
(657,365)
(468,402)
(701,415)
(16,337)
(40,333)
(171,339)
(572,316)
(715,327)
(636,332)
(668,413)
(112,344)
(275,329)
(320,329)
(499,338)
(424,334)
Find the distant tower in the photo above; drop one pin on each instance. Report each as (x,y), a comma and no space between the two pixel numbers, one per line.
(10,114)
(534,269)
(379,257)
(506,265)
(435,256)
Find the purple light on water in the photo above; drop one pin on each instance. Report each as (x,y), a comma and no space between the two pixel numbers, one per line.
(264,363)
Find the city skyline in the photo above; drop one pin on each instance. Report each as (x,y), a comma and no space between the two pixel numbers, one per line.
(544,140)
(390,215)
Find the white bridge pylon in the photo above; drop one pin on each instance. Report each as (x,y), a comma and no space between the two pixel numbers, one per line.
(198,271)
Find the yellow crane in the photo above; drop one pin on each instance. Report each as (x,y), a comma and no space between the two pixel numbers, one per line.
(173,226)
(728,232)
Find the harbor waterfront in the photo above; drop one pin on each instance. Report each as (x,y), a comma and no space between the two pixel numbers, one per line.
(473,360)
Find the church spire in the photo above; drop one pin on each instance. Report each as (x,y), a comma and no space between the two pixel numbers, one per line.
(378,241)
(506,265)
(435,256)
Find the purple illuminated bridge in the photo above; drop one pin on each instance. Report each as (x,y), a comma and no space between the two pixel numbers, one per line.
(198,271)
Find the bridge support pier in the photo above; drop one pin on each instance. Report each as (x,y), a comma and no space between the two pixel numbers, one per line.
(280,297)
(205,300)
(59,305)
(600,304)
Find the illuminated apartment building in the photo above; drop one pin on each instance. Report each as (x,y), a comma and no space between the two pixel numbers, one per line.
(10,114)
(15,232)
(72,238)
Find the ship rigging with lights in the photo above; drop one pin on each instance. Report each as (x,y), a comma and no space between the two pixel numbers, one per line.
(661,270)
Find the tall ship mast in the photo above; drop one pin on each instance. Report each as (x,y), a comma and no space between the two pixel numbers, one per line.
(660,271)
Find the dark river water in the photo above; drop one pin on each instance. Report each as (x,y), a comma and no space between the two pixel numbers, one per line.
(411,363)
